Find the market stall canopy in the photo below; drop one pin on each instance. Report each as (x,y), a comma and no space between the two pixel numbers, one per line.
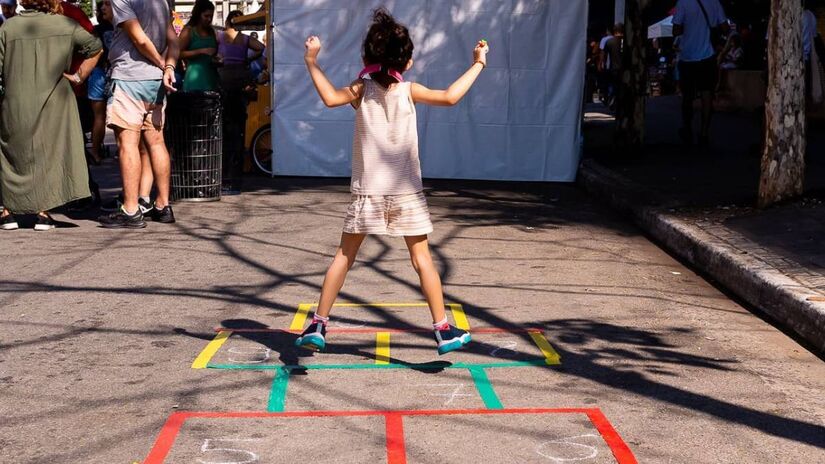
(252,22)
(663,28)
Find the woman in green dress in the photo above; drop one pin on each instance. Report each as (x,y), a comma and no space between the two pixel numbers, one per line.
(42,159)
(199,48)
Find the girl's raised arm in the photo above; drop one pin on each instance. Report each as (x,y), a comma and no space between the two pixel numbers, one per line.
(331,96)
(457,89)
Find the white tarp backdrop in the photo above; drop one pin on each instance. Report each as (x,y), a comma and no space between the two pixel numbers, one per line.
(520,121)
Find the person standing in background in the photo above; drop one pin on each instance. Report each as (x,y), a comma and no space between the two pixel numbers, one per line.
(235,75)
(199,49)
(591,70)
(84,105)
(257,66)
(97,80)
(9,8)
(694,21)
(603,63)
(41,143)
(612,63)
(143,56)
(808,35)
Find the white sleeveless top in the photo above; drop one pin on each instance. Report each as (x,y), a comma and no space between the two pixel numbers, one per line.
(385,144)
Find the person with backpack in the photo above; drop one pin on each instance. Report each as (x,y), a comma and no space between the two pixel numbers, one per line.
(699,23)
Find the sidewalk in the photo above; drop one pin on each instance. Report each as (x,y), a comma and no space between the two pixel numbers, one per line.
(700,206)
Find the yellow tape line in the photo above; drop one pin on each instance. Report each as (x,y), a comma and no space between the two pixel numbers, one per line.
(382,348)
(551,357)
(460,318)
(206,355)
(300,316)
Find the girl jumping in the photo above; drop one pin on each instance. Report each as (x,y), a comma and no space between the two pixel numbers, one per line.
(387,194)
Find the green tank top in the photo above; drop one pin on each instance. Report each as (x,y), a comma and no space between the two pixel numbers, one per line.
(201,73)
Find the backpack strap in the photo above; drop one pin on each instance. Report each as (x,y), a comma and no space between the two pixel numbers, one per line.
(705,14)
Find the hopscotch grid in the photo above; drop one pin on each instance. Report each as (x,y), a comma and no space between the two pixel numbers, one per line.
(395,446)
(482,384)
(382,357)
(278,391)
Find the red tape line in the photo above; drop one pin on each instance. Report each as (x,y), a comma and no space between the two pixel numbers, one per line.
(396,449)
(619,448)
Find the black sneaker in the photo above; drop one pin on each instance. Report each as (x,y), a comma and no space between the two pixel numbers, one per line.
(145,206)
(163,216)
(313,338)
(8,223)
(113,205)
(44,223)
(120,220)
(451,339)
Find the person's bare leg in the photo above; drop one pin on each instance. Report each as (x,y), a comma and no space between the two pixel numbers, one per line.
(98,129)
(337,272)
(423,264)
(129,167)
(707,113)
(160,165)
(147,179)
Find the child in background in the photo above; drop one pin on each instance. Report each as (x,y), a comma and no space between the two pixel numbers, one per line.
(732,54)
(387,193)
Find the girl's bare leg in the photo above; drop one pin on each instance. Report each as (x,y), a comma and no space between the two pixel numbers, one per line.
(337,272)
(423,264)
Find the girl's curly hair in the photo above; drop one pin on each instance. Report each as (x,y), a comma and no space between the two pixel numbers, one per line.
(388,42)
(44,6)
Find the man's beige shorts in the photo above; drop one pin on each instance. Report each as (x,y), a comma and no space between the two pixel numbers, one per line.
(136,105)
(396,215)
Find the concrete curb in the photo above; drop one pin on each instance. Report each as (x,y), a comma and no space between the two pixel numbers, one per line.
(753,280)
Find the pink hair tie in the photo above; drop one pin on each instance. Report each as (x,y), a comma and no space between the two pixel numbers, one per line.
(374,68)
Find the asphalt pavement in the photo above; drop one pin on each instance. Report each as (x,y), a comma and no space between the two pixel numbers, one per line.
(173,343)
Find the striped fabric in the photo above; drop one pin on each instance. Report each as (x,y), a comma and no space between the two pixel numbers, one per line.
(396,215)
(385,145)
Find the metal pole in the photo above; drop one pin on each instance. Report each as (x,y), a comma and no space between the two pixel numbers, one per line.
(619,12)
(270,45)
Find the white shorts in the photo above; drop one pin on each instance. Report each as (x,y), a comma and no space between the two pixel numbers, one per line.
(397,215)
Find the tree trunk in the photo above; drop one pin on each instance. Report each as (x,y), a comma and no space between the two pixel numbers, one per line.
(783,159)
(630,107)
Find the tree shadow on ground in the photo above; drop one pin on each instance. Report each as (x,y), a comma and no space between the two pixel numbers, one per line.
(574,336)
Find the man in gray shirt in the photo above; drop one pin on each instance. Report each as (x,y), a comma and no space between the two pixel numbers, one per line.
(141,76)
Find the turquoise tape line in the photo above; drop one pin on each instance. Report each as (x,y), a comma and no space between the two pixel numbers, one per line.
(485,388)
(277,395)
(426,366)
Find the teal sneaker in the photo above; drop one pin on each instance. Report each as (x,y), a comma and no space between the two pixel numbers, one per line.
(451,339)
(313,337)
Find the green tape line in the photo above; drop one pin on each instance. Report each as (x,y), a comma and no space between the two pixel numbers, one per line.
(485,389)
(277,396)
(426,366)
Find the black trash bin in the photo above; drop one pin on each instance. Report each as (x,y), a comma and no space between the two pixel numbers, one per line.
(194,135)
